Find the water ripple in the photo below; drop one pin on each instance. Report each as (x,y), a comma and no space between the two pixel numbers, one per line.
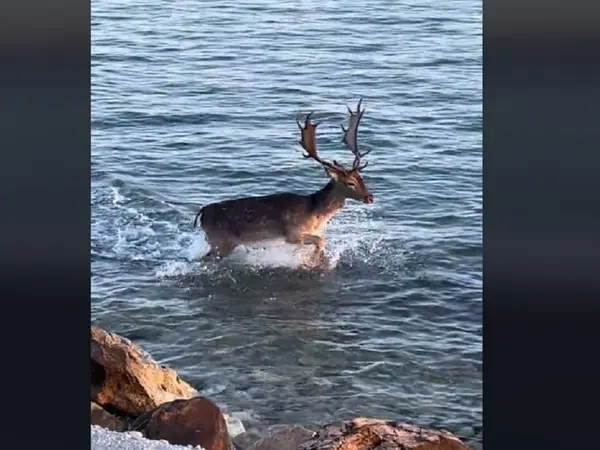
(196,102)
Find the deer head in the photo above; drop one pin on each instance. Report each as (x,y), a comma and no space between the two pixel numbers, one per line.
(348,180)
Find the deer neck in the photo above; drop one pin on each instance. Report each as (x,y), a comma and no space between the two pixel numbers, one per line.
(328,200)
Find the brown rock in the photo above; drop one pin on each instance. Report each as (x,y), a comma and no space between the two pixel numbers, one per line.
(246,439)
(282,437)
(197,421)
(374,434)
(127,379)
(104,419)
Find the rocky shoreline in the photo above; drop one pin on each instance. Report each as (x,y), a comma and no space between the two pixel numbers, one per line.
(130,392)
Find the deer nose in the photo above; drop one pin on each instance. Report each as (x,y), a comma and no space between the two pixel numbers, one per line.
(369,199)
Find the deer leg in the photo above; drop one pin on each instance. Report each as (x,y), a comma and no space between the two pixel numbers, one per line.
(319,244)
(211,254)
(222,250)
(319,258)
(311,239)
(307,239)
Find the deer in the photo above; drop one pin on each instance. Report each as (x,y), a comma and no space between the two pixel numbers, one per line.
(297,218)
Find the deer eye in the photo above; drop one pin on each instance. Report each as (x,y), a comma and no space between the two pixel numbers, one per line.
(351,184)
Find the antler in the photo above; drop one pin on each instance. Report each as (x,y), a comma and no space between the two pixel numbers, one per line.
(351,134)
(308,142)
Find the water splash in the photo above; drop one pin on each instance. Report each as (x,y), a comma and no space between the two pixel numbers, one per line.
(343,242)
(117,196)
(161,236)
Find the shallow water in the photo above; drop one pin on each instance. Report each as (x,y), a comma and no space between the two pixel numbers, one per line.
(194,102)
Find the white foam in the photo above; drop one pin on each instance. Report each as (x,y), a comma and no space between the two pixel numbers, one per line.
(197,248)
(274,253)
(117,196)
(174,269)
(102,439)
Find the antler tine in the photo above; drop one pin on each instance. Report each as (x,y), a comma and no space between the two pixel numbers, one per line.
(308,141)
(351,135)
(358,168)
(298,121)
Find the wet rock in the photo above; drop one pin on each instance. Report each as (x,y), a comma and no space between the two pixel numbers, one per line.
(246,439)
(197,421)
(234,425)
(126,379)
(282,437)
(104,419)
(374,434)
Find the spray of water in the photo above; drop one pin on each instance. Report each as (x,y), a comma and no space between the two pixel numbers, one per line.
(175,249)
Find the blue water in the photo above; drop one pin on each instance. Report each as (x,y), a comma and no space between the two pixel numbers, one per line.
(195,102)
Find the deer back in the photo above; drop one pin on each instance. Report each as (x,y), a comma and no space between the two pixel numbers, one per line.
(252,219)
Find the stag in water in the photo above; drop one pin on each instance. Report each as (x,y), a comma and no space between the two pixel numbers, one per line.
(298,219)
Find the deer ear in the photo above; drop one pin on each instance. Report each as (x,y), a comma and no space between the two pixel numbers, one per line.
(333,174)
